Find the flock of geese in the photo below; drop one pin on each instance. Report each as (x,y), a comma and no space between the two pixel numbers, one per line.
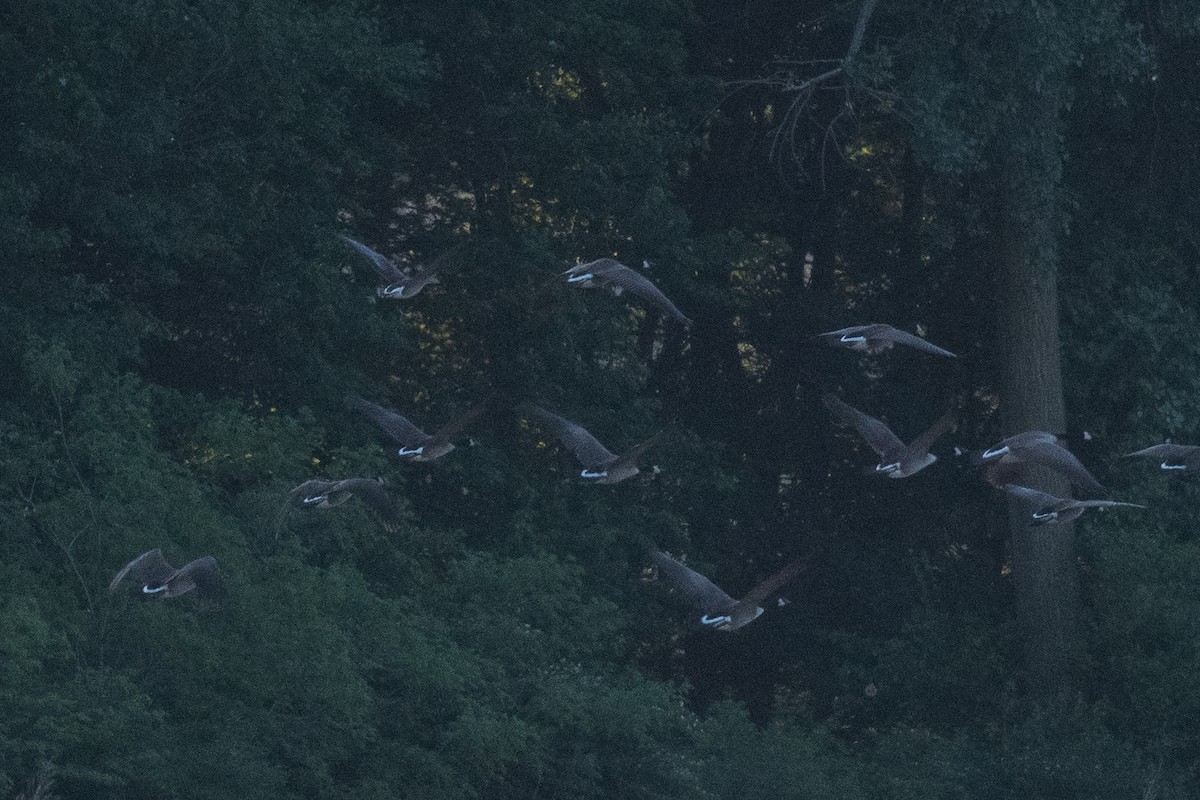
(1004,464)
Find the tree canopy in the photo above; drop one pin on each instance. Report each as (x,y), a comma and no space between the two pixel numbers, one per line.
(183,324)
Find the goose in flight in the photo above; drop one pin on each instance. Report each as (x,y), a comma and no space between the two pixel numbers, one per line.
(612,274)
(1006,460)
(160,579)
(1178,457)
(718,610)
(395,282)
(599,463)
(896,459)
(416,444)
(1050,509)
(876,337)
(322,494)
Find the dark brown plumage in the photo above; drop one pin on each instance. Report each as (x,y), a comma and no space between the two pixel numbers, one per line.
(876,337)
(395,282)
(160,579)
(612,274)
(599,463)
(896,459)
(1005,460)
(416,444)
(718,610)
(1049,509)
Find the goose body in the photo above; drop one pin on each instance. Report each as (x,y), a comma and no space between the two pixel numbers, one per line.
(719,611)
(1173,457)
(877,337)
(396,282)
(415,444)
(162,581)
(1007,459)
(1049,509)
(600,465)
(896,459)
(612,274)
(324,494)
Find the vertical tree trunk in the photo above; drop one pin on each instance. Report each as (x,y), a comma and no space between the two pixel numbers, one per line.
(1043,560)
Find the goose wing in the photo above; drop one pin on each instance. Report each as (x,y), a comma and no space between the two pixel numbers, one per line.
(775,582)
(633,455)
(904,337)
(1049,453)
(1181,454)
(375,496)
(148,568)
(388,270)
(833,337)
(947,423)
(201,574)
(1038,498)
(876,434)
(699,590)
(456,425)
(391,423)
(576,438)
(614,272)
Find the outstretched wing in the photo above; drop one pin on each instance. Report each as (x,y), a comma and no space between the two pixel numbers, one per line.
(1172,454)
(875,433)
(911,340)
(621,276)
(387,269)
(773,583)
(1058,458)
(1103,504)
(699,590)
(202,575)
(456,425)
(391,423)
(148,568)
(576,438)
(947,423)
(376,497)
(1040,499)
(633,455)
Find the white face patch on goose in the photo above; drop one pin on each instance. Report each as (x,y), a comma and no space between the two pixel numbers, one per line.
(146,589)
(854,339)
(885,468)
(994,453)
(414,451)
(395,288)
(579,278)
(1047,516)
(721,621)
(587,473)
(1165,465)
(316,498)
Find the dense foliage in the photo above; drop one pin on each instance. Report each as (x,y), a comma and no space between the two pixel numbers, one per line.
(182,324)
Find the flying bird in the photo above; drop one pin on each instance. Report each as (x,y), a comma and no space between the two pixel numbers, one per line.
(718,610)
(416,444)
(395,282)
(160,579)
(896,459)
(876,337)
(1178,457)
(1050,509)
(612,274)
(599,463)
(1007,459)
(322,494)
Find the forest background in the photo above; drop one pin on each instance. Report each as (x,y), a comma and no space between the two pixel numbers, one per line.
(181,323)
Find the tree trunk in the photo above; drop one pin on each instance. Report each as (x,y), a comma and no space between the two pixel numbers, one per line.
(1042,559)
